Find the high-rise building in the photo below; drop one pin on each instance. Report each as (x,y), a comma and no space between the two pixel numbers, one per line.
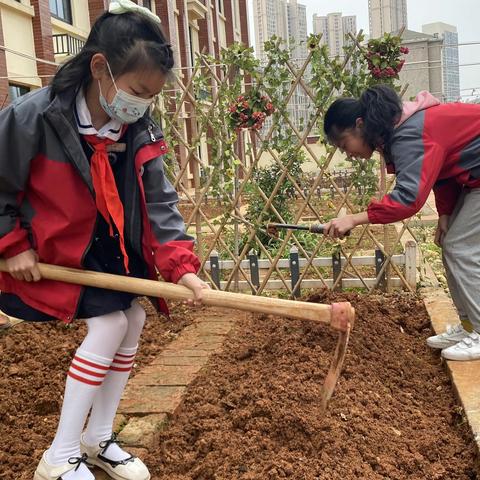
(270,19)
(297,28)
(283,19)
(334,29)
(450,62)
(287,20)
(386,16)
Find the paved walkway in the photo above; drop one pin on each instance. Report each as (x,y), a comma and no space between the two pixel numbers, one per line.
(464,374)
(156,392)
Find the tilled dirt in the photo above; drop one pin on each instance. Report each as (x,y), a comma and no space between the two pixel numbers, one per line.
(34,359)
(255,412)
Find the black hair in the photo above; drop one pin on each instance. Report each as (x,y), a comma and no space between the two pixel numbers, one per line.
(129,41)
(379,107)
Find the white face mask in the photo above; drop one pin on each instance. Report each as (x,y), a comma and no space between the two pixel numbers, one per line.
(125,108)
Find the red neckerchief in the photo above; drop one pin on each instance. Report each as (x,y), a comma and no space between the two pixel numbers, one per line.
(106,194)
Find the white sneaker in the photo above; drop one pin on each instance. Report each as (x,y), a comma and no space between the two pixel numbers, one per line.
(467,349)
(132,468)
(453,335)
(45,471)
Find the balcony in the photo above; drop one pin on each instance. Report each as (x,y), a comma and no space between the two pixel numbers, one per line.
(65,44)
(196,9)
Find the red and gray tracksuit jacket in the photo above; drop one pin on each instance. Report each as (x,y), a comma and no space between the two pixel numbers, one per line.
(434,146)
(47,200)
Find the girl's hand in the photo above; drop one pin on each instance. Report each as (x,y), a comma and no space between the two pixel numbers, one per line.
(339,227)
(442,228)
(24,266)
(196,285)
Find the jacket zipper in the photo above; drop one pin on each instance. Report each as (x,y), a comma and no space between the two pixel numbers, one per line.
(150,131)
(153,139)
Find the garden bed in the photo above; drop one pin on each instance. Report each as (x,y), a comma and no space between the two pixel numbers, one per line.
(255,412)
(34,359)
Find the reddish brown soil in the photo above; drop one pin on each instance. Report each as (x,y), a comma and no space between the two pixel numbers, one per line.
(255,413)
(34,359)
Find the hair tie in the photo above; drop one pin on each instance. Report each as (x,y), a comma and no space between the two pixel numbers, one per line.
(117,7)
(167,49)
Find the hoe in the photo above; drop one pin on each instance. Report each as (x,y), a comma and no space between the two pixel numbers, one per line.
(340,316)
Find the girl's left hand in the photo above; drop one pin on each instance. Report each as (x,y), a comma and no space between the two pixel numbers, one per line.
(196,285)
(339,227)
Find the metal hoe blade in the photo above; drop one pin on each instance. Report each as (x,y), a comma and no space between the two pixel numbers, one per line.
(342,320)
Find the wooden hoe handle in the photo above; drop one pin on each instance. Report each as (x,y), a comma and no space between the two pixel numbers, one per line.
(338,315)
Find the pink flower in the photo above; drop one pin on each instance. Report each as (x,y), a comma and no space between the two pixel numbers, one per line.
(404,50)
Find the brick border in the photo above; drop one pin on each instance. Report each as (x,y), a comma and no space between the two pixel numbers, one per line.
(155,393)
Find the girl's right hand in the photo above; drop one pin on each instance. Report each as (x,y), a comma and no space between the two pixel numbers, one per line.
(24,266)
(442,229)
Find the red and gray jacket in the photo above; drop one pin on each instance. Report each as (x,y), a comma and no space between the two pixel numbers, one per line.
(434,146)
(47,200)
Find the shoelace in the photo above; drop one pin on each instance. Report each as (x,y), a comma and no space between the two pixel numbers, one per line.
(78,461)
(104,446)
(106,443)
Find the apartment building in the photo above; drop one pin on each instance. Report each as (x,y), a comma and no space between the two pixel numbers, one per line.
(334,29)
(37,35)
(387,16)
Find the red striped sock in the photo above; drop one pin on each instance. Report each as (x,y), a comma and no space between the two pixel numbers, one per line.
(85,376)
(106,402)
(88,370)
(123,362)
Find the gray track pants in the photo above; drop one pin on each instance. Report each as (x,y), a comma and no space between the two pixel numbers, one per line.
(461,256)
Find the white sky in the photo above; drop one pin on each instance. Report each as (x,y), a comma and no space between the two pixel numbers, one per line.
(464,14)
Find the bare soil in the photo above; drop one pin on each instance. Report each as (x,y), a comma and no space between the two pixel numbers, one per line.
(255,412)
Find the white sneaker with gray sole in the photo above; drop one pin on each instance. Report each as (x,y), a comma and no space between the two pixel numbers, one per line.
(453,335)
(467,349)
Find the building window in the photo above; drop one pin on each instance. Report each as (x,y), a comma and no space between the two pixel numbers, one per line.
(62,10)
(148,4)
(16,91)
(220,6)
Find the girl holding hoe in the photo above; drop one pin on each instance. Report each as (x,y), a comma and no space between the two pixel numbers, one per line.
(427,145)
(82,185)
